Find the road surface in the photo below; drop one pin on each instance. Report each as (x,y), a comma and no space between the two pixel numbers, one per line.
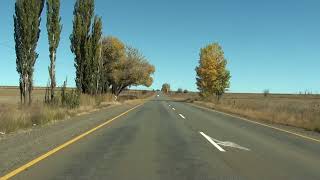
(164,139)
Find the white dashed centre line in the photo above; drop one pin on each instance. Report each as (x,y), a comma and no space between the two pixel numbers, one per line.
(173,109)
(181,116)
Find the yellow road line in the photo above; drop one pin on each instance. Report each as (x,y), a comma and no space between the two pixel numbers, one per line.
(51,152)
(262,124)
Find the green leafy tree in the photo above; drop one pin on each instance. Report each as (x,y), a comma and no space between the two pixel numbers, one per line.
(54,28)
(27,20)
(80,40)
(212,75)
(96,57)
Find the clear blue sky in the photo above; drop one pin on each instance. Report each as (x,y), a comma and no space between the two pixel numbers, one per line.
(269,44)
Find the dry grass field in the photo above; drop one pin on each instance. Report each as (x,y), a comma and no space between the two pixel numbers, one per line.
(11,95)
(14,117)
(295,110)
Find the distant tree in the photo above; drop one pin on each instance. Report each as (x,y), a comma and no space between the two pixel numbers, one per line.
(185,91)
(54,28)
(165,88)
(212,75)
(27,20)
(179,90)
(266,92)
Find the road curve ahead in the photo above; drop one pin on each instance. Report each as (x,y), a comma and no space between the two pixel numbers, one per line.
(163,139)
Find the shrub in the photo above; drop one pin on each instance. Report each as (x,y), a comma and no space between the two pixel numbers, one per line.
(179,90)
(71,99)
(185,91)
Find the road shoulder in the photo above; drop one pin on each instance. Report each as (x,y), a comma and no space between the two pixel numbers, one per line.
(23,146)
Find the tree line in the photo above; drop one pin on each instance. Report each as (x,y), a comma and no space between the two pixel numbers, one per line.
(103,64)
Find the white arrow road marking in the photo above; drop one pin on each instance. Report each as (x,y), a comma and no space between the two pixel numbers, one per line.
(230,144)
(212,142)
(181,116)
(223,143)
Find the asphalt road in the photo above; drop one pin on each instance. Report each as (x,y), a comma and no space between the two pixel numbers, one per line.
(163,139)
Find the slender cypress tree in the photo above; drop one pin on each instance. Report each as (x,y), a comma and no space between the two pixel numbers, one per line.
(27,20)
(54,28)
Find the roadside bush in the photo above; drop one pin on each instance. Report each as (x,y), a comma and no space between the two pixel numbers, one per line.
(71,99)
(185,91)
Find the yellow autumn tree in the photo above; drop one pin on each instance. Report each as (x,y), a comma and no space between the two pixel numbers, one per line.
(212,75)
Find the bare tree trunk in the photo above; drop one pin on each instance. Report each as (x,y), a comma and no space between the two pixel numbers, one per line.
(97,81)
(21,89)
(25,87)
(52,75)
(30,89)
(113,89)
(99,67)
(120,89)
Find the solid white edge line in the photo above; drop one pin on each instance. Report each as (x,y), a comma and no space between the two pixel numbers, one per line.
(181,116)
(212,142)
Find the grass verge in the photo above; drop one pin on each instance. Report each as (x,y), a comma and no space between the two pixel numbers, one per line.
(15,117)
(293,110)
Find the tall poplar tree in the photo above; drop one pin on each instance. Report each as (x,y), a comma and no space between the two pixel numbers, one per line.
(96,55)
(80,40)
(54,28)
(27,20)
